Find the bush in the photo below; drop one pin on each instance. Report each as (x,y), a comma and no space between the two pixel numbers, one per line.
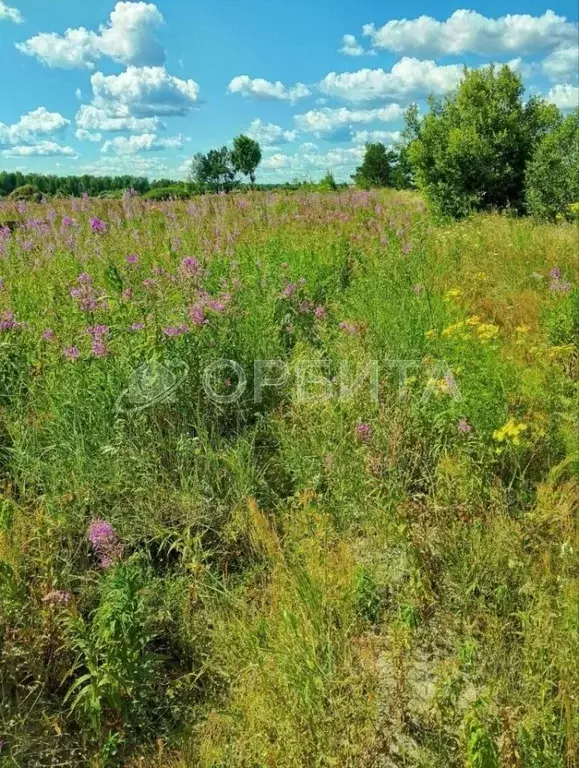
(26,192)
(471,150)
(328,183)
(168,193)
(552,178)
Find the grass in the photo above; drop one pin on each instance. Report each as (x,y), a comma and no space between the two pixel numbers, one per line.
(360,577)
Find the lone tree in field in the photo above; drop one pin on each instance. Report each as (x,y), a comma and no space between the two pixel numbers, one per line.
(213,171)
(375,168)
(246,156)
(471,150)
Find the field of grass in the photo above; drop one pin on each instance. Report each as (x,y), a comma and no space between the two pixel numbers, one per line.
(371,564)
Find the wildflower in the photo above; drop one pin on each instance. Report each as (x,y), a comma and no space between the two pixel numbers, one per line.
(305,307)
(431,334)
(510,432)
(98,225)
(175,330)
(289,290)
(197,315)
(487,331)
(348,327)
(555,273)
(7,321)
(2,284)
(47,335)
(320,312)
(190,266)
(453,293)
(126,295)
(132,259)
(450,384)
(363,432)
(72,353)
(137,326)
(57,596)
(105,542)
(67,221)
(463,426)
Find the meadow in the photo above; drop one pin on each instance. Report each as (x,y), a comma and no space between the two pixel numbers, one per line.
(372,573)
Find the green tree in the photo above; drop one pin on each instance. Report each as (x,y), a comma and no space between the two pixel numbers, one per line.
(375,168)
(246,156)
(328,183)
(213,171)
(552,178)
(470,152)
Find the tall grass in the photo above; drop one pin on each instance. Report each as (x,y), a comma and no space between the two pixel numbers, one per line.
(342,580)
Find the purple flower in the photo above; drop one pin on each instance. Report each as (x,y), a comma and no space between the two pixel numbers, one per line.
(105,542)
(2,284)
(289,290)
(98,225)
(320,312)
(126,295)
(132,259)
(363,432)
(96,331)
(47,335)
(137,326)
(72,353)
(463,426)
(348,327)
(176,330)
(197,315)
(57,596)
(555,273)
(190,266)
(7,321)
(67,221)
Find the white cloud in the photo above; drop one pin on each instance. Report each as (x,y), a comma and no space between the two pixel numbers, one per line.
(128,38)
(351,47)
(83,135)
(42,149)
(562,64)
(408,77)
(146,142)
(385,137)
(310,162)
(469,32)
(565,96)
(326,121)
(269,134)
(10,14)
(143,92)
(30,127)
(259,88)
(136,165)
(91,118)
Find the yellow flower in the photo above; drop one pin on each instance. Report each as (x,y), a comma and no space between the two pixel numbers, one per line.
(510,432)
(452,329)
(431,334)
(487,331)
(522,329)
(473,320)
(453,293)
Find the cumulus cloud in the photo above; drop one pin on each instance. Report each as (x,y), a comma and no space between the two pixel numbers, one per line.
(351,47)
(32,126)
(258,88)
(565,96)
(308,161)
(467,31)
(369,137)
(324,122)
(83,135)
(136,165)
(128,38)
(91,118)
(562,64)
(10,14)
(146,142)
(143,92)
(42,149)
(269,134)
(408,77)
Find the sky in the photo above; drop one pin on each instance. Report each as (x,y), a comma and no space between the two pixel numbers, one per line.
(136,87)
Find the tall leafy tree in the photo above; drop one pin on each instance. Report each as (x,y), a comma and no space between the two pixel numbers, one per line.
(470,152)
(246,156)
(213,171)
(552,178)
(375,168)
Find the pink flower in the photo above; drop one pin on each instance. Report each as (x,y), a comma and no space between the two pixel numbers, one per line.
(363,432)
(72,353)
(463,426)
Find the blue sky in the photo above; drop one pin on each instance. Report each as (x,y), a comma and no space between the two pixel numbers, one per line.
(136,87)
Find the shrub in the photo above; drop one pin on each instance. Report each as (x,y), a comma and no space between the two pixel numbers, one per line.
(167,193)
(552,178)
(26,192)
(471,150)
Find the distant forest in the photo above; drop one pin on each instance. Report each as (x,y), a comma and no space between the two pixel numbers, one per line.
(76,185)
